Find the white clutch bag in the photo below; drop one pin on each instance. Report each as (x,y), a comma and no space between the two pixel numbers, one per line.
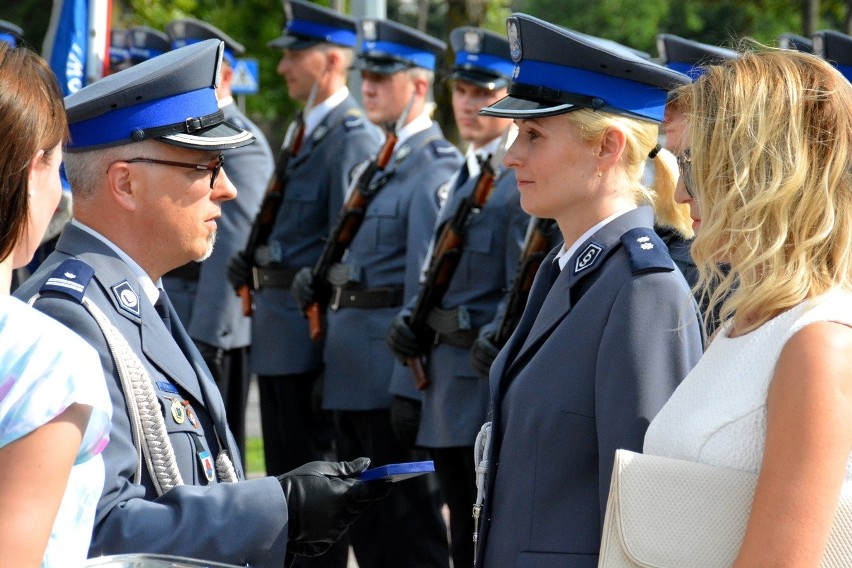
(669,513)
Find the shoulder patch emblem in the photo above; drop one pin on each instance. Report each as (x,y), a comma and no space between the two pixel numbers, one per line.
(127,298)
(588,257)
(403,151)
(319,133)
(70,278)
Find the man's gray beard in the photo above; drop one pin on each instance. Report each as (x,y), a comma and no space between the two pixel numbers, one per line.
(211,240)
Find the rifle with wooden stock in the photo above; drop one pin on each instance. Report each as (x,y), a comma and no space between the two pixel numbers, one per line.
(445,257)
(537,244)
(361,193)
(262,226)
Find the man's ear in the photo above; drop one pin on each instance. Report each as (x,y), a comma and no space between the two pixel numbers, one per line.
(611,147)
(122,187)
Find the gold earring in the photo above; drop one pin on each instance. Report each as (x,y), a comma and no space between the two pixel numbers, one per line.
(600,173)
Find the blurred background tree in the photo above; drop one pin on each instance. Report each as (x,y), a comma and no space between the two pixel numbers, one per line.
(255,22)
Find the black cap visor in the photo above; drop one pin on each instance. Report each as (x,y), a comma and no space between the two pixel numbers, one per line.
(293,42)
(381,65)
(530,101)
(489,81)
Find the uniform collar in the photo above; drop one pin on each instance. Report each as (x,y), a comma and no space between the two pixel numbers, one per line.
(150,289)
(416,126)
(317,113)
(565,254)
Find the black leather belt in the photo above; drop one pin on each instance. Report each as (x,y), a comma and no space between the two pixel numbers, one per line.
(452,327)
(189,271)
(273,277)
(369,298)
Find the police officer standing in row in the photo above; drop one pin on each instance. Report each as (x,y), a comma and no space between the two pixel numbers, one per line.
(397,65)
(146,166)
(200,292)
(455,403)
(317,44)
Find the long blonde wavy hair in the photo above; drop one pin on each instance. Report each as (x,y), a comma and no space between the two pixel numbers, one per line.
(641,137)
(771,142)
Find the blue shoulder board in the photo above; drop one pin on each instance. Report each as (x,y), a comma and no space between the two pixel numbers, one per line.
(647,251)
(70,278)
(353,119)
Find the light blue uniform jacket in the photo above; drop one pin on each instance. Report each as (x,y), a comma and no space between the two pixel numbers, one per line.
(387,251)
(456,403)
(317,181)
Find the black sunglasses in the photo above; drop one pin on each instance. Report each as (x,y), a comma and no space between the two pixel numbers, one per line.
(215,166)
(684,165)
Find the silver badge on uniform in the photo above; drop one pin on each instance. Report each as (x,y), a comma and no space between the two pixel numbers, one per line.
(472,42)
(514,39)
(319,133)
(403,151)
(127,298)
(643,242)
(588,257)
(368,29)
(442,194)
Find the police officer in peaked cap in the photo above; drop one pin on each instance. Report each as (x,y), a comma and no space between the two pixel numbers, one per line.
(316,46)
(836,48)
(200,292)
(381,268)
(455,403)
(146,166)
(605,336)
(10,33)
(119,50)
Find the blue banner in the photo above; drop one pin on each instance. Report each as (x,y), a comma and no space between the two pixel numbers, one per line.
(67,53)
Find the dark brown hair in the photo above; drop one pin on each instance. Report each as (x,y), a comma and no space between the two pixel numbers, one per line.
(32,118)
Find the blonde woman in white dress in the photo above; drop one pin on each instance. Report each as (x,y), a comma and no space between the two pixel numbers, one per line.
(768,178)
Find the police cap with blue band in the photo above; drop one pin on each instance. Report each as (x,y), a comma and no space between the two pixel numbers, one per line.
(187,31)
(387,47)
(836,48)
(795,42)
(10,33)
(309,25)
(170,98)
(481,58)
(690,57)
(145,43)
(558,70)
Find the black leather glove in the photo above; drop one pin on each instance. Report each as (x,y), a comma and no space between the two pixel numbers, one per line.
(323,499)
(482,354)
(401,339)
(302,287)
(405,419)
(239,271)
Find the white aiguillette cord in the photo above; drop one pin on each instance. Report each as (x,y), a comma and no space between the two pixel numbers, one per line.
(144,412)
(481,449)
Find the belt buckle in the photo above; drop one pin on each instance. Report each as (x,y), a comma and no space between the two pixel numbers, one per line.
(255,275)
(336,292)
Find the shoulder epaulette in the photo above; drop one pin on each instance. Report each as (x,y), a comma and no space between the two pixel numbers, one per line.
(353,118)
(443,148)
(70,278)
(647,251)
